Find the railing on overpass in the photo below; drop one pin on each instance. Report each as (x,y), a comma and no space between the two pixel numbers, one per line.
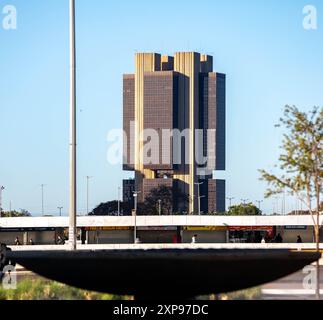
(151,221)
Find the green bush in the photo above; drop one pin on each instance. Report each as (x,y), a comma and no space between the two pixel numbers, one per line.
(248,294)
(42,289)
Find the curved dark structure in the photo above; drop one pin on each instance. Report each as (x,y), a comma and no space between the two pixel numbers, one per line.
(165,273)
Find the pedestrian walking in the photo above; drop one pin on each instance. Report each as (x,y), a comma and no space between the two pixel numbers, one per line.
(194,238)
(17,242)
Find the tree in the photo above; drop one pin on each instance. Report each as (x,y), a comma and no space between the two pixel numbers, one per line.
(301,162)
(15,214)
(166,196)
(163,194)
(244,210)
(110,208)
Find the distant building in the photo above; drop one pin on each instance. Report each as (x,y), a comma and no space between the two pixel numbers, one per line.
(174,111)
(128,189)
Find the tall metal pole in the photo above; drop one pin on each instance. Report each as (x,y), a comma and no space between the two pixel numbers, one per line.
(259,203)
(119,201)
(135,227)
(199,197)
(1,190)
(277,204)
(72,202)
(230,201)
(135,195)
(87,193)
(42,199)
(60,210)
(159,207)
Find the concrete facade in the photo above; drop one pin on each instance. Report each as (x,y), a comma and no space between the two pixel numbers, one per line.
(176,93)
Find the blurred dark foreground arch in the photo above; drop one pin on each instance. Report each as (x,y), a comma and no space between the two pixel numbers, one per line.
(164,273)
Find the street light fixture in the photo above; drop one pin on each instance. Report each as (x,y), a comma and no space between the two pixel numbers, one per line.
(60,210)
(199,196)
(1,190)
(87,193)
(72,169)
(135,195)
(119,189)
(230,201)
(42,199)
(259,203)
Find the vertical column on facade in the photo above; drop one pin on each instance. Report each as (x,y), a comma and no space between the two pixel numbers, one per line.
(188,65)
(144,62)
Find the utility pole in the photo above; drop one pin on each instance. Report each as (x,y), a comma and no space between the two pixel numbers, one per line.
(119,201)
(199,196)
(159,207)
(87,193)
(277,205)
(42,199)
(259,203)
(135,195)
(230,201)
(73,193)
(1,190)
(60,210)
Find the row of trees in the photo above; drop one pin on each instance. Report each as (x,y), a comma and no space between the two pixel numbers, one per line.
(163,197)
(158,198)
(15,214)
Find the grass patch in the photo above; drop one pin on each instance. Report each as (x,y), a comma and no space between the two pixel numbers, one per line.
(43,289)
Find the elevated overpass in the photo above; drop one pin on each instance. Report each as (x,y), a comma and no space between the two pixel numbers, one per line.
(156,229)
(165,269)
(144,221)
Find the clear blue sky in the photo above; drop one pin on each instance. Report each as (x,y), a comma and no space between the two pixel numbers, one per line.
(269,59)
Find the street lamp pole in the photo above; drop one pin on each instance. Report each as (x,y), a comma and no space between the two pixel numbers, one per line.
(60,210)
(159,207)
(230,201)
(135,195)
(42,199)
(119,201)
(244,201)
(87,193)
(73,193)
(1,190)
(259,203)
(198,196)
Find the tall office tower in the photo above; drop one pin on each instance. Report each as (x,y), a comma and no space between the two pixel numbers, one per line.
(174,124)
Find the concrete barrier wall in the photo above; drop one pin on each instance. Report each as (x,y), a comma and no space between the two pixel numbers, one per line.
(97,221)
(289,246)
